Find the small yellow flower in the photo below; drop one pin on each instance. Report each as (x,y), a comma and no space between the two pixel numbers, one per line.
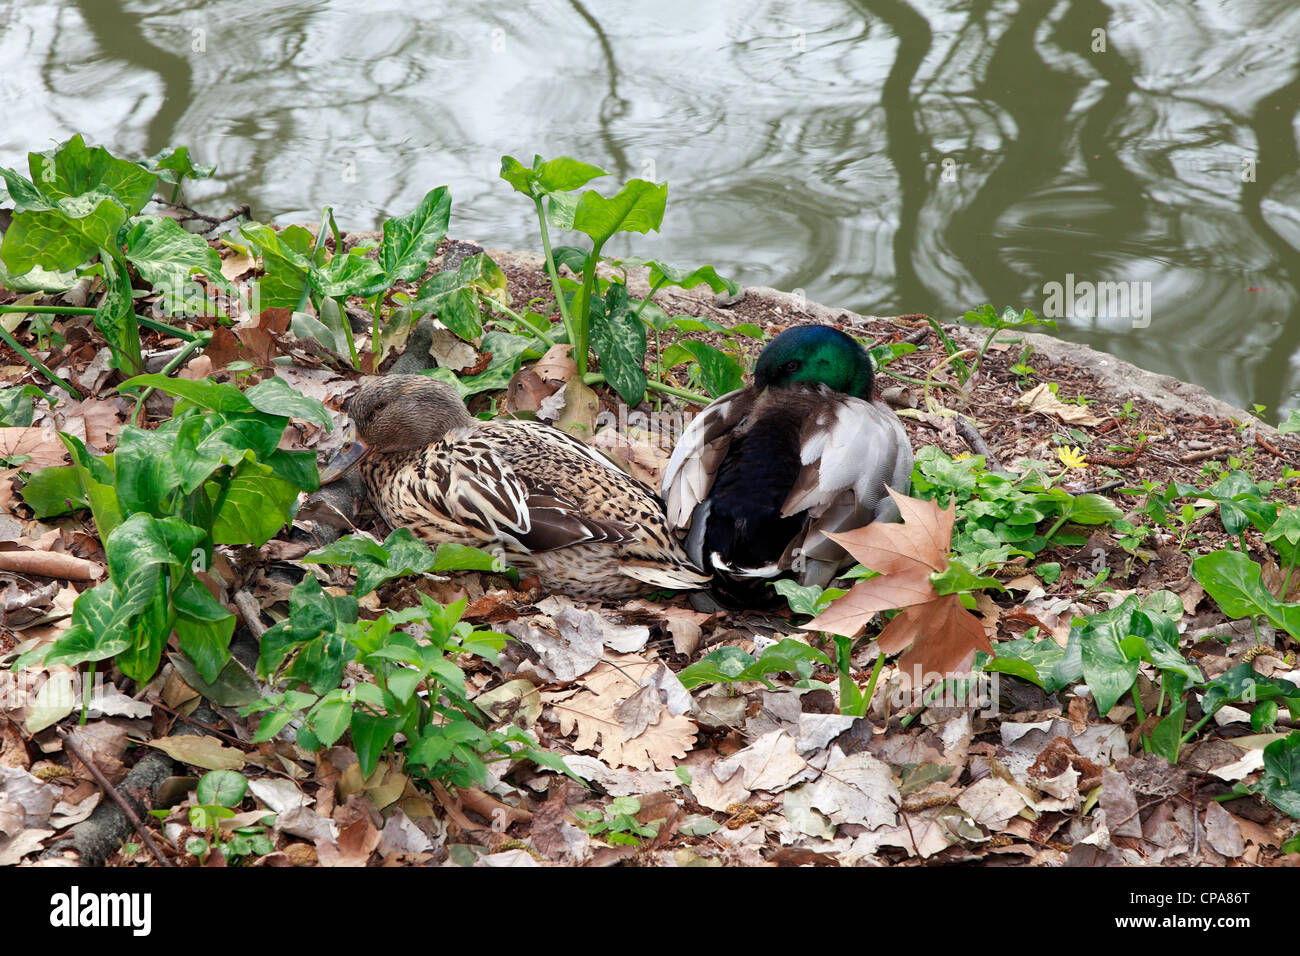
(1072,457)
(961,456)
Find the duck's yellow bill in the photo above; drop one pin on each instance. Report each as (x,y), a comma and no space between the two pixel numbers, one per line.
(351,453)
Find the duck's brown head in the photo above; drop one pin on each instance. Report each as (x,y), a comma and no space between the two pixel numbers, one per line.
(395,413)
(404,412)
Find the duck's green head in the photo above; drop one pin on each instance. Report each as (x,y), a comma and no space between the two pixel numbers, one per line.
(815,353)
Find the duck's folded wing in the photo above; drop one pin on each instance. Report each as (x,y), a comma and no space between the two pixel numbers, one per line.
(698,454)
(850,450)
(480,490)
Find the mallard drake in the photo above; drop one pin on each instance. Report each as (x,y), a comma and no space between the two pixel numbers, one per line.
(763,471)
(547,503)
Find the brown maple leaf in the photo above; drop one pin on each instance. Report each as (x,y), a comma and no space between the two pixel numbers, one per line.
(938,634)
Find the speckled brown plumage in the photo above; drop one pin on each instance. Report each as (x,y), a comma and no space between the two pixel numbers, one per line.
(547,503)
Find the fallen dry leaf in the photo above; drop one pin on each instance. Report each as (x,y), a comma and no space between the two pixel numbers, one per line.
(1040,398)
(1223,831)
(939,634)
(51,564)
(206,752)
(42,445)
(594,714)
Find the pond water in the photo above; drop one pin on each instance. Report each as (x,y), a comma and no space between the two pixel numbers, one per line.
(880,155)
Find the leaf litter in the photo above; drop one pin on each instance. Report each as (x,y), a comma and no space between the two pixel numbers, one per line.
(736,774)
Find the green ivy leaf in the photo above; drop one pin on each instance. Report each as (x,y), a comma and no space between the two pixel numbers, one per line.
(72,169)
(165,255)
(619,340)
(410,241)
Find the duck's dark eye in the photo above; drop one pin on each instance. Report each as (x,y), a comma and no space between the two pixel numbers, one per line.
(792,365)
(379,407)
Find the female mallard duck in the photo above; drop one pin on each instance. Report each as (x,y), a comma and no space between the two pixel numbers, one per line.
(548,503)
(760,474)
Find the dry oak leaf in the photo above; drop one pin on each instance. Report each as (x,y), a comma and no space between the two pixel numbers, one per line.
(939,634)
(594,714)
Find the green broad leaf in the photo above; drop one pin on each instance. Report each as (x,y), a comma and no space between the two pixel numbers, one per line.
(98,483)
(371,734)
(665,275)
(287,257)
(517,175)
(1159,634)
(205,443)
(1049,572)
(1236,583)
(637,207)
(410,241)
(1167,738)
(454,296)
(101,628)
(296,467)
(725,665)
(54,491)
(690,324)
(507,352)
(956,577)
(1281,782)
(232,688)
(64,237)
(1264,717)
(1034,661)
(204,393)
(23,192)
(1108,671)
(459,557)
(146,474)
(72,169)
(1242,685)
(16,405)
(619,340)
(115,317)
(205,642)
(571,256)
(327,329)
(456,305)
(173,164)
(1093,509)
(882,355)
(719,371)
(255,508)
(401,554)
(806,599)
(787,656)
(1292,423)
(561,208)
(165,255)
(349,273)
(561,174)
(1008,318)
(275,396)
(222,788)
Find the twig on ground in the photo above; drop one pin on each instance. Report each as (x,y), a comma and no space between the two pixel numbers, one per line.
(250,612)
(212,221)
(116,797)
(1196,456)
(973,438)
